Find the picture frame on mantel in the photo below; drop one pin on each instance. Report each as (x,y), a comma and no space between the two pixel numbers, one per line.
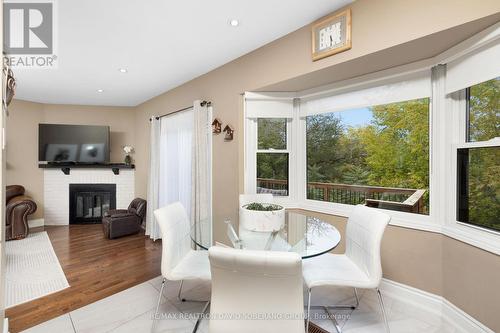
(331,35)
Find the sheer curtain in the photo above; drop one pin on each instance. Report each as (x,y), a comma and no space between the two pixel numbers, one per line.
(202,171)
(176,145)
(152,228)
(180,166)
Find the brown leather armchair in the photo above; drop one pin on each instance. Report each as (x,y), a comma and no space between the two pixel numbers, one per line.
(121,222)
(19,206)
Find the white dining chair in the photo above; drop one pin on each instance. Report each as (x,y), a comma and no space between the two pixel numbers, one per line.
(246,199)
(359,267)
(179,262)
(249,285)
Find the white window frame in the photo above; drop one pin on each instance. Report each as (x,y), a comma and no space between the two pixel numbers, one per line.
(411,220)
(296,133)
(251,146)
(447,133)
(484,238)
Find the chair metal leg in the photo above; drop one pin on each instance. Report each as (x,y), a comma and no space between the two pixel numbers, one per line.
(180,291)
(200,317)
(159,302)
(357,299)
(386,323)
(308,310)
(333,319)
(184,299)
(343,307)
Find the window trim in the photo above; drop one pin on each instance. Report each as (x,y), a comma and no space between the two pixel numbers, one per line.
(251,151)
(296,133)
(468,232)
(445,109)
(288,151)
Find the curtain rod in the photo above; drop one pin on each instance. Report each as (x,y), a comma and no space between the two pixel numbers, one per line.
(203,103)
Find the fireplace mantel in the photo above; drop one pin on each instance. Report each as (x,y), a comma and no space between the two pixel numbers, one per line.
(56,189)
(66,167)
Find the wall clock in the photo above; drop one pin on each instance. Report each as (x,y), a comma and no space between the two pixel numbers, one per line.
(331,35)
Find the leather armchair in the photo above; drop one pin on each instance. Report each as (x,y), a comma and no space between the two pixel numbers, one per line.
(18,207)
(121,222)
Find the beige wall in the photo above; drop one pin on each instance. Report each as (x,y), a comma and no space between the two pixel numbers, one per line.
(385,33)
(22,138)
(471,278)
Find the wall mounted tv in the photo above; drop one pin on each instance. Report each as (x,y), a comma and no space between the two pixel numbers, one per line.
(73,143)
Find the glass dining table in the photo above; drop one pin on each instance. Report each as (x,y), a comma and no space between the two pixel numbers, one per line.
(304,234)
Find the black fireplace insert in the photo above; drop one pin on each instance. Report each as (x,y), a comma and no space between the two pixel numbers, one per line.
(89,202)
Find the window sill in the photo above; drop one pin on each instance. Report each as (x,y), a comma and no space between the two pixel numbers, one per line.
(400,219)
(483,239)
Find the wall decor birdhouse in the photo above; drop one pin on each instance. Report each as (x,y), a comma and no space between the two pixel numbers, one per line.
(229,133)
(216,126)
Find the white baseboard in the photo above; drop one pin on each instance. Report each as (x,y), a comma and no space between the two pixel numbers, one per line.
(36,223)
(450,313)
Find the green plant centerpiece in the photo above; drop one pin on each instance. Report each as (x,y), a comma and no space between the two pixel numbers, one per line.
(262,217)
(263,207)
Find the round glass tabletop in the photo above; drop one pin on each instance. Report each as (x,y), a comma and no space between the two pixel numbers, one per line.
(306,235)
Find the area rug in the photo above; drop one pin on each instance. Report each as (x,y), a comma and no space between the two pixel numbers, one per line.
(32,269)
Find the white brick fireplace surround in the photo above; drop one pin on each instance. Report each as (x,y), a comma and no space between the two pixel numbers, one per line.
(56,189)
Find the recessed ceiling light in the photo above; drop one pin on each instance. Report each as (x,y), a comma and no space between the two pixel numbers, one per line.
(234,22)
(100,90)
(123,70)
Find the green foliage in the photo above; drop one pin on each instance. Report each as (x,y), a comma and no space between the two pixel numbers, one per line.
(391,151)
(263,207)
(330,152)
(484,187)
(484,163)
(397,145)
(271,133)
(272,166)
(484,110)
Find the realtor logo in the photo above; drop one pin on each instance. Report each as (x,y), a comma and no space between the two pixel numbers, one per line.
(29,30)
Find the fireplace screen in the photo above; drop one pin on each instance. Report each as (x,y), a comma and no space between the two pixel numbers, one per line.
(89,202)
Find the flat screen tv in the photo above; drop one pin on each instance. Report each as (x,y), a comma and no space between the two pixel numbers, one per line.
(73,143)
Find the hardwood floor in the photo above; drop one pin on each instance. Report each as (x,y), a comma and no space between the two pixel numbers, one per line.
(95,268)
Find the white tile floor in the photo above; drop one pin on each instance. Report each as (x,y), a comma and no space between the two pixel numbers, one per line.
(132,311)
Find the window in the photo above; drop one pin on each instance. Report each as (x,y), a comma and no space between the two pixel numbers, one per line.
(389,140)
(484,111)
(272,156)
(378,156)
(478,164)
(479,186)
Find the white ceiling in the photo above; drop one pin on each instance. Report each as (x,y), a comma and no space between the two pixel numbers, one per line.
(162,43)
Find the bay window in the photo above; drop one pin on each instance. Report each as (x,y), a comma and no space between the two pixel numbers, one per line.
(421,141)
(377,155)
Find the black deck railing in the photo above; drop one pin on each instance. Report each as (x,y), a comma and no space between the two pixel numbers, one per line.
(402,199)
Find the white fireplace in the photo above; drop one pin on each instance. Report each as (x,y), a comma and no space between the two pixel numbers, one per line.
(56,189)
